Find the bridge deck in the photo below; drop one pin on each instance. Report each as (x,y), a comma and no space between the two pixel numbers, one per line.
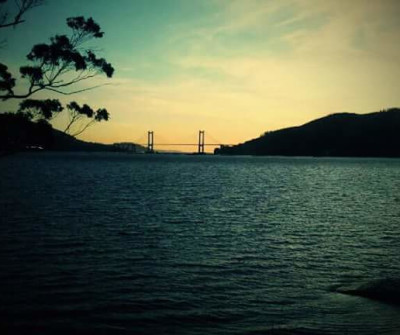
(196,144)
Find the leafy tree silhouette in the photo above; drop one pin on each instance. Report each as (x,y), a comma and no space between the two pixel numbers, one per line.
(56,67)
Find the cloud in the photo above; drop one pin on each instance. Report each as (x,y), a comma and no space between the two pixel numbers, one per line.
(319,57)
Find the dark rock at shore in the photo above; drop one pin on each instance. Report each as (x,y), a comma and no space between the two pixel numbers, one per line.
(386,290)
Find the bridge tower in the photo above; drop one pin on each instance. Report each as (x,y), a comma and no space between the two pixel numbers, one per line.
(201,142)
(150,142)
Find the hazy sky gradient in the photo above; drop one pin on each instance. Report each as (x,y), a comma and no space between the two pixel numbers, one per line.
(235,68)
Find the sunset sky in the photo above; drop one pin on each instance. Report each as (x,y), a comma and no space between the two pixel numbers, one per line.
(235,68)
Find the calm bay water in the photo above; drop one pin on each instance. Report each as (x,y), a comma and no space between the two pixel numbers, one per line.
(169,244)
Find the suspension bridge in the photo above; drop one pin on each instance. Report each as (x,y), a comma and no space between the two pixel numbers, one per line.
(201,143)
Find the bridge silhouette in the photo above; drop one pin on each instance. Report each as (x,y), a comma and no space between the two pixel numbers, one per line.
(201,144)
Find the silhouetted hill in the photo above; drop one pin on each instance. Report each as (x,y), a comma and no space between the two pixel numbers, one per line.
(64,142)
(344,134)
(18,133)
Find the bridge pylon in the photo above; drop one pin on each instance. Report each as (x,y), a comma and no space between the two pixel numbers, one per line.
(201,142)
(150,142)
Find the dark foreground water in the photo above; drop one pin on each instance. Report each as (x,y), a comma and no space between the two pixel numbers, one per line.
(120,244)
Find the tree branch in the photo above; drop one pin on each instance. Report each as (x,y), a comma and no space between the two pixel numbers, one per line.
(84,128)
(11,24)
(73,92)
(22,8)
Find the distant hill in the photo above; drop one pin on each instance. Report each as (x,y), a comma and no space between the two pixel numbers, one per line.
(344,134)
(17,133)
